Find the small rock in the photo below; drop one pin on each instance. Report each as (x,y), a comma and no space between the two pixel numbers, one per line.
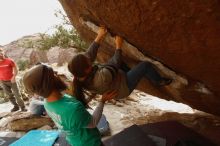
(45,127)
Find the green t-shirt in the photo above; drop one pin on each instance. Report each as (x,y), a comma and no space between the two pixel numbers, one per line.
(71,117)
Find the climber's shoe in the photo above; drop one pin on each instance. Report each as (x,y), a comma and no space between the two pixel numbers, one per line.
(165,81)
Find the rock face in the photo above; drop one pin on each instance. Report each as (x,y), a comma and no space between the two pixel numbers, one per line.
(180,37)
(59,55)
(26,49)
(23,121)
(38,56)
(22,49)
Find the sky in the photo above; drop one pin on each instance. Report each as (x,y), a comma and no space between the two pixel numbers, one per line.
(25,17)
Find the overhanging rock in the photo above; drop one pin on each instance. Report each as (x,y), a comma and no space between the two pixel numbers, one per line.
(180,37)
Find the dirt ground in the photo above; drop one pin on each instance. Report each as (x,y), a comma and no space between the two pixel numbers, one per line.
(141,108)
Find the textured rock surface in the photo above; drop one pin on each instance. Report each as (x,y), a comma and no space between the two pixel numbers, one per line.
(59,55)
(182,35)
(21,50)
(23,121)
(38,56)
(30,123)
(25,48)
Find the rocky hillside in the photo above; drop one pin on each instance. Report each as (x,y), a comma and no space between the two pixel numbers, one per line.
(25,50)
(180,37)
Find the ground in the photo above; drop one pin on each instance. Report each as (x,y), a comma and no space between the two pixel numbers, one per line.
(141,108)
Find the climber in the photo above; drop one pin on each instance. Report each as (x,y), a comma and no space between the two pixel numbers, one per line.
(69,114)
(110,76)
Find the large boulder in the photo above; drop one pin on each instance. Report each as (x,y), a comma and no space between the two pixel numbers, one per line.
(24,51)
(180,37)
(37,56)
(60,56)
(20,121)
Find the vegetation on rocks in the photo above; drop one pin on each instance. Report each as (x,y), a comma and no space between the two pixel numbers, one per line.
(64,35)
(22,64)
(32,48)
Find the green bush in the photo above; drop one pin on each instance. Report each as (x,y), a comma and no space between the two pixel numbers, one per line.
(22,64)
(1,93)
(30,44)
(62,37)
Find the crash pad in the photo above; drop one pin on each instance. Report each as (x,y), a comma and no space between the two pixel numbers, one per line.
(132,136)
(37,138)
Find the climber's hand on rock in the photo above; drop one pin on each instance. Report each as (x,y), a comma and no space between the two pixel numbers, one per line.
(118,42)
(109,95)
(101,34)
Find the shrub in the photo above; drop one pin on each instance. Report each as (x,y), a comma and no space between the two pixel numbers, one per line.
(64,36)
(22,64)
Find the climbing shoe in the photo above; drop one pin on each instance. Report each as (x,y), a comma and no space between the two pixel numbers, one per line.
(15,108)
(165,81)
(23,109)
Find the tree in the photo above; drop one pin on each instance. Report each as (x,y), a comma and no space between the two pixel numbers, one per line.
(64,36)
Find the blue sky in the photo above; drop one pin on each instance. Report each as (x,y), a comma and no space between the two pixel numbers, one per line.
(25,17)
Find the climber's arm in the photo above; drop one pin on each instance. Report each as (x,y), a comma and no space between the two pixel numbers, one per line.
(93,49)
(116,60)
